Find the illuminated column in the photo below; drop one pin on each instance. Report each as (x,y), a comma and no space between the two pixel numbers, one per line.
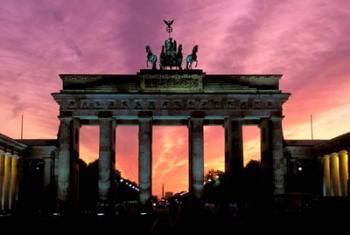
(343,172)
(6,184)
(335,174)
(326,176)
(64,159)
(2,157)
(233,148)
(13,184)
(196,156)
(145,158)
(19,175)
(106,159)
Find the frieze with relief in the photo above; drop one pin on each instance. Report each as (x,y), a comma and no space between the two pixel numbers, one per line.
(169,104)
(172,82)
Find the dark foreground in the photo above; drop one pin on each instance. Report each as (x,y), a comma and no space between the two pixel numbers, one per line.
(327,215)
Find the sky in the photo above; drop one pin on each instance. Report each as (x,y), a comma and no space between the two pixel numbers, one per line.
(306,41)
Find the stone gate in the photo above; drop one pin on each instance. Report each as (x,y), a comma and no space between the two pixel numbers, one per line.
(169,97)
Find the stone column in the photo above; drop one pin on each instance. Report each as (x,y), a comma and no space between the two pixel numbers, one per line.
(64,159)
(266,158)
(106,159)
(196,156)
(47,172)
(233,148)
(278,160)
(145,158)
(6,184)
(326,176)
(14,177)
(74,158)
(2,158)
(343,171)
(19,176)
(335,177)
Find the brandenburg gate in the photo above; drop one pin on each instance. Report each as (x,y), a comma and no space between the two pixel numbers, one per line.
(169,97)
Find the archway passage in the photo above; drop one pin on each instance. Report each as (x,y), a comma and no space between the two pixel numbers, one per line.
(127,152)
(126,163)
(88,165)
(251,144)
(251,180)
(170,160)
(89,143)
(214,148)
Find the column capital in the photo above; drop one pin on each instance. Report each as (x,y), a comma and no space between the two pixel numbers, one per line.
(145,118)
(65,118)
(105,119)
(145,114)
(105,114)
(2,152)
(234,118)
(334,154)
(197,114)
(276,118)
(342,152)
(195,118)
(15,156)
(8,154)
(102,120)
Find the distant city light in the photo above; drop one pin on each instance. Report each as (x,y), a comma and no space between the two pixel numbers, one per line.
(209,180)
(143,213)
(300,168)
(121,180)
(55,214)
(100,214)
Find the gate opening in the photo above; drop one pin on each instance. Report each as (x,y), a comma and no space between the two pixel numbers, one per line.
(170,160)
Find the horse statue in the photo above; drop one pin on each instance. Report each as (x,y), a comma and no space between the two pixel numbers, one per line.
(192,58)
(179,57)
(170,56)
(152,58)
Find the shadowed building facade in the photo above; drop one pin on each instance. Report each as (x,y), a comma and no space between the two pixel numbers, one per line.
(169,97)
(26,171)
(10,169)
(320,167)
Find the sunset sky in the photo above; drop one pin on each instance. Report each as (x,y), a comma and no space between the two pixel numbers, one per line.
(306,41)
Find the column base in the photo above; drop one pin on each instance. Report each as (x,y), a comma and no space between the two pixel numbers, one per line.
(104,208)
